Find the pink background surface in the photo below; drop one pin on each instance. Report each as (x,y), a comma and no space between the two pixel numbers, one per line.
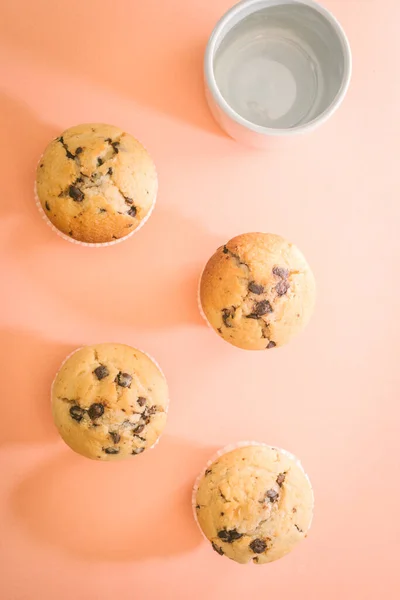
(72,528)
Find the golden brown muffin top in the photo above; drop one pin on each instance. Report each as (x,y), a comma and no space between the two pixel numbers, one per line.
(96,183)
(254,503)
(109,401)
(257,291)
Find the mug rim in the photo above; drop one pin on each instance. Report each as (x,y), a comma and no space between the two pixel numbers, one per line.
(227,108)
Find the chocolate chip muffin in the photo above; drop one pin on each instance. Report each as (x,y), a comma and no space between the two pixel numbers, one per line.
(109,401)
(254,503)
(96,184)
(257,291)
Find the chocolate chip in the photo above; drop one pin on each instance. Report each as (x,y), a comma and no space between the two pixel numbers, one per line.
(207,472)
(262,308)
(75,193)
(217,549)
(115,146)
(68,153)
(79,180)
(115,437)
(99,161)
(132,211)
(141,401)
(255,288)
(70,233)
(272,495)
(78,150)
(294,510)
(47,206)
(109,140)
(95,411)
(258,546)
(219,330)
(137,450)
(110,171)
(227,313)
(197,506)
(222,514)
(139,428)
(111,450)
(101,372)
(230,535)
(152,410)
(282,287)
(146,414)
(280,479)
(298,528)
(124,379)
(225,250)
(76,412)
(281,272)
(271,345)
(101,210)
(128,200)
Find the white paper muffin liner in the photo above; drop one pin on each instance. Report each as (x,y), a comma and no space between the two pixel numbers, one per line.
(226,450)
(93,244)
(199,301)
(153,360)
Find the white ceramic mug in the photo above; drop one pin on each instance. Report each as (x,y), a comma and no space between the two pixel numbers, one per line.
(275,68)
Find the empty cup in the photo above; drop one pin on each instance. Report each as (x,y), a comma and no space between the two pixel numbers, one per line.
(276,67)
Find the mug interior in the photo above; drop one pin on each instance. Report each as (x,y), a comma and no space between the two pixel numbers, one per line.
(280,66)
